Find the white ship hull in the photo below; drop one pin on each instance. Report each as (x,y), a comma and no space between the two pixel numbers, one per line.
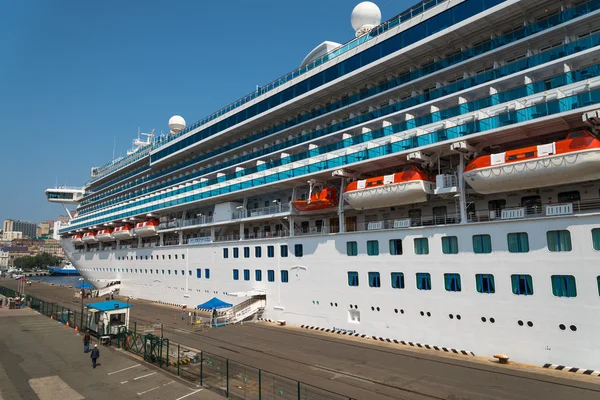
(394,194)
(320,297)
(541,172)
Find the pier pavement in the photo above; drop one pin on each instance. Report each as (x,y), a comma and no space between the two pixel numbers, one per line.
(356,367)
(41,359)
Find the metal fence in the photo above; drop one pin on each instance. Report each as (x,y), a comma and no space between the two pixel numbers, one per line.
(228,378)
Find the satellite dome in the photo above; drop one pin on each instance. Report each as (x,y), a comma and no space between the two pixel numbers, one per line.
(365,17)
(176,123)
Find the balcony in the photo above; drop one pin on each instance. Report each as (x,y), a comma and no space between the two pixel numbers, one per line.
(259,212)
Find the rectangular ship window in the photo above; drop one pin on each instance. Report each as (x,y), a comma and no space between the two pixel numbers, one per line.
(559,241)
(372,247)
(236,252)
(198,273)
(258,275)
(271,275)
(246,274)
(270,251)
(423,281)
(452,282)
(236,274)
(522,285)
(564,286)
(246,252)
(298,250)
(257,251)
(421,246)
(225,253)
(450,245)
(485,283)
(374,279)
(284,276)
(396,247)
(518,242)
(351,249)
(284,250)
(207,273)
(482,244)
(352,278)
(398,280)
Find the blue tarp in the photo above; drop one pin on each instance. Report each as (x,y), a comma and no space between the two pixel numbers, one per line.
(84,285)
(214,304)
(109,305)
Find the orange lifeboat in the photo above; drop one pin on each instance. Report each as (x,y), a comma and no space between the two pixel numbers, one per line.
(574,159)
(123,232)
(105,235)
(77,239)
(318,200)
(89,237)
(147,228)
(412,185)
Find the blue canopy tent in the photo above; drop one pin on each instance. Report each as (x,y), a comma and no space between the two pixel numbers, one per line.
(214,304)
(84,285)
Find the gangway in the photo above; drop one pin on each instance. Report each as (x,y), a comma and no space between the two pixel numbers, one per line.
(255,304)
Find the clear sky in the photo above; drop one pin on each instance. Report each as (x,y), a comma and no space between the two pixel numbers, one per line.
(76,76)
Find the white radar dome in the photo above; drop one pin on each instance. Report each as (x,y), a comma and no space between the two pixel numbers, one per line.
(176,124)
(365,17)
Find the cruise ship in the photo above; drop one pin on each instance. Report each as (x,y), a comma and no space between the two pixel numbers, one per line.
(434,180)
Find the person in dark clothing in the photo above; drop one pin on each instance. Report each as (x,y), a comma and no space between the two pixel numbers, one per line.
(95,355)
(87,338)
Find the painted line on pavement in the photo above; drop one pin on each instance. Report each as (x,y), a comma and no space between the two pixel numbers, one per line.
(124,382)
(189,394)
(144,376)
(147,391)
(124,369)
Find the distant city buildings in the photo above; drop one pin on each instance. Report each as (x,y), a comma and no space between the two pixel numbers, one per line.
(9,236)
(29,229)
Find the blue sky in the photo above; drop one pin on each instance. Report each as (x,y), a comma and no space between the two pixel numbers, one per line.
(77,75)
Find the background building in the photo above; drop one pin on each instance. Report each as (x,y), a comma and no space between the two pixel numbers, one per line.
(12,235)
(28,229)
(8,255)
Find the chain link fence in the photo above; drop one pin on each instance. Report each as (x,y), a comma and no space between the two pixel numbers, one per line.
(228,378)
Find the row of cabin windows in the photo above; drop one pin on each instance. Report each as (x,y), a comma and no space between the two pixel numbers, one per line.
(156,271)
(151,257)
(562,285)
(283,251)
(258,275)
(517,242)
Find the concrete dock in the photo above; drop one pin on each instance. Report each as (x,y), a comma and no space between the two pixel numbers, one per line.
(41,359)
(355,367)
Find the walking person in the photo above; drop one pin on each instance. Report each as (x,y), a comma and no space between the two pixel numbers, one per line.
(86,341)
(95,355)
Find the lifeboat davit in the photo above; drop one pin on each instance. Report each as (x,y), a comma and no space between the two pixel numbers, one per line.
(412,185)
(122,232)
(105,235)
(147,228)
(77,239)
(89,237)
(575,159)
(319,200)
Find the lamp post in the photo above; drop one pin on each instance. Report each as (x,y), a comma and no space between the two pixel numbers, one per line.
(82,293)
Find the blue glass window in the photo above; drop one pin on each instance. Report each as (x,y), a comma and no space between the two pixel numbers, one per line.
(396,247)
(373,247)
(298,250)
(284,276)
(564,286)
(246,252)
(271,275)
(559,240)
(450,245)
(423,281)
(207,273)
(270,251)
(352,278)
(452,282)
(518,242)
(257,251)
(351,248)
(374,279)
(522,285)
(236,274)
(485,283)
(284,250)
(258,275)
(225,253)
(421,246)
(398,280)
(198,273)
(246,274)
(482,244)
(236,252)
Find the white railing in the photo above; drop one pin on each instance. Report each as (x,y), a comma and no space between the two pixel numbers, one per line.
(258,212)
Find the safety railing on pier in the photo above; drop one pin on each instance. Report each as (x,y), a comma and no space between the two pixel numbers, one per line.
(228,378)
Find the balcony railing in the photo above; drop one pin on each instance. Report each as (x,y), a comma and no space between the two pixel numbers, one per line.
(257,212)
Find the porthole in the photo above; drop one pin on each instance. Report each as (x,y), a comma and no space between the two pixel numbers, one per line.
(573,328)
(520,323)
(428,314)
(396,310)
(377,308)
(450,316)
(483,319)
(355,306)
(492,320)
(401,311)
(530,324)
(422,313)
(562,327)
(458,317)
(351,306)
(331,304)
(335,304)
(372,308)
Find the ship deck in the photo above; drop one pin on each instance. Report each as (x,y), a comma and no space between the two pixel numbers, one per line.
(356,367)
